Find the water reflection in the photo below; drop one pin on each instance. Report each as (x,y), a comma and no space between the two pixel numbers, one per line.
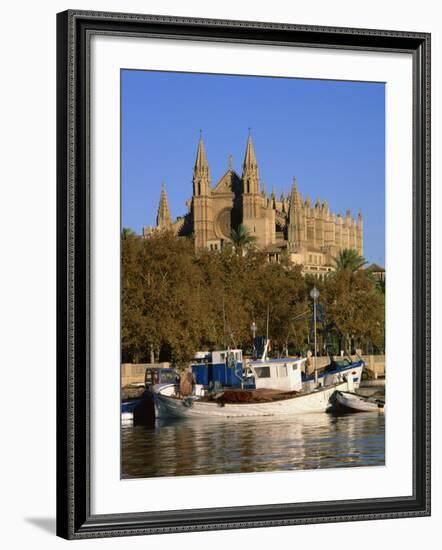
(215,446)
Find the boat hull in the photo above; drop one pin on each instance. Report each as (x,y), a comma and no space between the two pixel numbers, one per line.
(316,401)
(355,403)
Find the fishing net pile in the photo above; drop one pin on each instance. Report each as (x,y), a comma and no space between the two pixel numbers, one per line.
(251,396)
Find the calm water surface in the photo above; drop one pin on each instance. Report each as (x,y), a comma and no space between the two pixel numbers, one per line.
(194,446)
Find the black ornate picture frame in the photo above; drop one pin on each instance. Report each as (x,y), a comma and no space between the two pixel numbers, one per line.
(74,518)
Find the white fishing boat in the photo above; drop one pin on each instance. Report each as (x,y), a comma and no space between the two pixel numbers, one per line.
(337,371)
(279,391)
(352,402)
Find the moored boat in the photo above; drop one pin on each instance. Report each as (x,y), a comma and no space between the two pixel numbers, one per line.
(153,377)
(221,384)
(279,390)
(286,403)
(338,370)
(352,402)
(127,410)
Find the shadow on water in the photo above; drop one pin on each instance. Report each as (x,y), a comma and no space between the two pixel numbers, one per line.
(217,446)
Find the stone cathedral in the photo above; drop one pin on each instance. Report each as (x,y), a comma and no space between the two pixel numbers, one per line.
(310,235)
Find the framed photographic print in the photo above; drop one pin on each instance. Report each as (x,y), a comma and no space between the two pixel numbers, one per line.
(243,274)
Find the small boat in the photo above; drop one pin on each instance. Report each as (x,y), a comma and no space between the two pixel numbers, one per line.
(127,409)
(338,370)
(154,377)
(352,402)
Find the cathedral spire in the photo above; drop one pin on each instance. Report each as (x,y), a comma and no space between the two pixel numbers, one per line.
(201,165)
(297,230)
(164,220)
(250,169)
(273,197)
(295,202)
(250,157)
(201,171)
(264,191)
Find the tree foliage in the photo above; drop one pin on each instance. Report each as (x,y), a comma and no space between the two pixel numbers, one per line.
(349,259)
(242,238)
(175,302)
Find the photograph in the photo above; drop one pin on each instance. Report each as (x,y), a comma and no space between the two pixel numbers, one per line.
(253,274)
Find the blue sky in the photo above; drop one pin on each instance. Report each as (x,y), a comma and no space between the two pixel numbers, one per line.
(329,134)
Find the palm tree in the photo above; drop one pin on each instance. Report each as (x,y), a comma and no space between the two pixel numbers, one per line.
(349,259)
(241,238)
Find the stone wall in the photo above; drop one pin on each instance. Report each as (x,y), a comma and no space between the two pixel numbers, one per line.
(133,373)
(375,364)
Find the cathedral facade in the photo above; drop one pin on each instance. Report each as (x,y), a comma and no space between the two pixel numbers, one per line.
(311,235)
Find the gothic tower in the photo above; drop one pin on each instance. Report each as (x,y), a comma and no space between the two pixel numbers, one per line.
(359,234)
(164,220)
(202,199)
(251,201)
(297,237)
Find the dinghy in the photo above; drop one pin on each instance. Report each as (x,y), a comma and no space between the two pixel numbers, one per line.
(352,402)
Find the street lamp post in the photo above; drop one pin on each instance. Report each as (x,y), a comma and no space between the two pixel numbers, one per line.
(314,295)
(253,329)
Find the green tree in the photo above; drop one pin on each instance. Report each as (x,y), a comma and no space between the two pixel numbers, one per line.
(278,289)
(241,238)
(161,298)
(176,301)
(349,259)
(126,233)
(355,307)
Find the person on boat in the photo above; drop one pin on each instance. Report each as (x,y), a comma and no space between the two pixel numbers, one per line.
(309,365)
(187,383)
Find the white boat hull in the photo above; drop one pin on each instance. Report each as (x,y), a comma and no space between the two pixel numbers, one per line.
(127,417)
(357,403)
(316,401)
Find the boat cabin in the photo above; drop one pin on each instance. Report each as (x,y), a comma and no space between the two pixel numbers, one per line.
(280,374)
(219,368)
(159,375)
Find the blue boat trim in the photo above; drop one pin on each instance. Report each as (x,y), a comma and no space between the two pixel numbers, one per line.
(338,369)
(278,360)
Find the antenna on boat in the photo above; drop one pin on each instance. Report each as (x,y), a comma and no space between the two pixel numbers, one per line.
(224,323)
(228,333)
(268,315)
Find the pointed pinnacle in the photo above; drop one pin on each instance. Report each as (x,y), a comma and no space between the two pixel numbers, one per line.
(250,157)
(295,197)
(201,164)
(163,214)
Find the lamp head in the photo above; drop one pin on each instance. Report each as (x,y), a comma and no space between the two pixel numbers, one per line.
(314,293)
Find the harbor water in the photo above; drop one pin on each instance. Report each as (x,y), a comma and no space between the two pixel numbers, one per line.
(201,447)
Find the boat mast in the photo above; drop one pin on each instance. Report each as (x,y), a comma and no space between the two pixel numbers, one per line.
(314,294)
